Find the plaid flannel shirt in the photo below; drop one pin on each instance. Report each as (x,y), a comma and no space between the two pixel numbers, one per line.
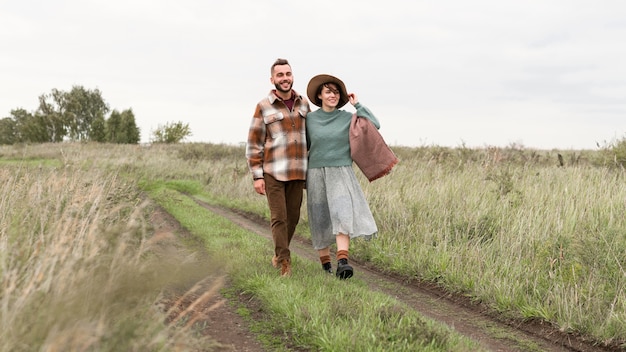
(277,139)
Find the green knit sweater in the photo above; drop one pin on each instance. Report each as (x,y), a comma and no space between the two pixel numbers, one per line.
(328,136)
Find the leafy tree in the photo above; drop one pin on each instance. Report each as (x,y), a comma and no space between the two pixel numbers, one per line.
(21,119)
(121,128)
(75,110)
(7,131)
(97,133)
(55,121)
(38,129)
(171,132)
(114,127)
(129,126)
(77,115)
(29,128)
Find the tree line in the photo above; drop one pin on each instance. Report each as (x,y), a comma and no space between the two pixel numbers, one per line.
(77,115)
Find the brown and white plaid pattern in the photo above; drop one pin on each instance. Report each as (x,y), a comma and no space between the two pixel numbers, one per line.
(277,139)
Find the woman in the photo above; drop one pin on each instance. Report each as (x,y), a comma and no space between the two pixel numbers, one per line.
(337,208)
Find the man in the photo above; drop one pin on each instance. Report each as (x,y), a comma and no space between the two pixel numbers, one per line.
(276,151)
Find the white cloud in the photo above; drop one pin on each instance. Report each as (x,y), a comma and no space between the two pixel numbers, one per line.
(486,72)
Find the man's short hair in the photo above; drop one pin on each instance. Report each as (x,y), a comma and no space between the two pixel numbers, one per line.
(279,62)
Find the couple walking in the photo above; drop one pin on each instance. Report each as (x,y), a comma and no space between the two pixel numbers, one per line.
(290,148)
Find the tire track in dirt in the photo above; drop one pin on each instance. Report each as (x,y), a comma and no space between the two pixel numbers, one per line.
(456,311)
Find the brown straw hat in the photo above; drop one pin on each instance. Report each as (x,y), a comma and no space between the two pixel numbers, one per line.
(317,81)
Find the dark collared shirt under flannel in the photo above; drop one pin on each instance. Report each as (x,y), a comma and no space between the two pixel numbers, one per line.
(277,139)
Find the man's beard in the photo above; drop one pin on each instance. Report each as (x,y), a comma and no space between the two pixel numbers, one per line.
(280,89)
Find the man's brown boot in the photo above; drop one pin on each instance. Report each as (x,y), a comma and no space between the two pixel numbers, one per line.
(285,269)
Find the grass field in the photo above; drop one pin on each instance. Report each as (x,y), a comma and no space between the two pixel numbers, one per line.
(532,234)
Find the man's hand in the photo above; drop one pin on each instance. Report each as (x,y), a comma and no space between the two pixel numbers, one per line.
(259,186)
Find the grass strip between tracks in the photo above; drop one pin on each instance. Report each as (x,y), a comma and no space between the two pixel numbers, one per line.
(310,310)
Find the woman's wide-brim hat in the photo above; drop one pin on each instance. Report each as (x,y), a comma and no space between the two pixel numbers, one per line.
(317,81)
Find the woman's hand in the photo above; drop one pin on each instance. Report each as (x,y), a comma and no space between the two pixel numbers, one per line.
(353,99)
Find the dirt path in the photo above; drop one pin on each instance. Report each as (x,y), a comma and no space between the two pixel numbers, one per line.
(471,320)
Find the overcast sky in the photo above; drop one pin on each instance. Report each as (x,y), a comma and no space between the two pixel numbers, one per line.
(538,73)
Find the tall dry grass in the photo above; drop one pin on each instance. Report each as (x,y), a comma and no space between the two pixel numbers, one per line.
(531,240)
(529,233)
(79,266)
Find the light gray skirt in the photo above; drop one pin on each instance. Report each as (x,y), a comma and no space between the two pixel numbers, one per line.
(336,204)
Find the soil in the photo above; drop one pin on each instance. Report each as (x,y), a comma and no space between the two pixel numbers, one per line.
(469,318)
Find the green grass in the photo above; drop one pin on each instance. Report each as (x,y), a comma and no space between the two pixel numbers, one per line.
(79,269)
(313,310)
(507,226)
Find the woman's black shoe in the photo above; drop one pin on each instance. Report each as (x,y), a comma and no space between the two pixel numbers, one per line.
(327,267)
(344,270)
